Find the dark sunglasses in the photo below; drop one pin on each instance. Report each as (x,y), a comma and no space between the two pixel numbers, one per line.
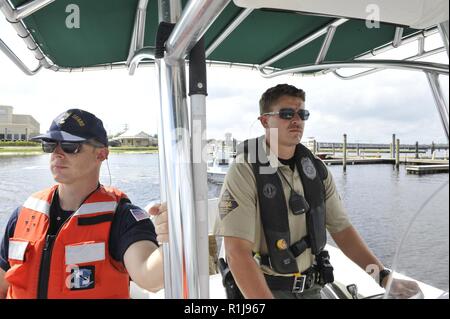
(288,114)
(67,147)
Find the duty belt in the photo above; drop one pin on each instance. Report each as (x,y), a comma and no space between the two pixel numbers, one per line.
(296,283)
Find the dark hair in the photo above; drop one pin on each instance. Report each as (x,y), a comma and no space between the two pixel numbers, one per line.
(274,93)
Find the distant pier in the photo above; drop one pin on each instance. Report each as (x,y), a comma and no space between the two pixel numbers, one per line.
(411,155)
(408,161)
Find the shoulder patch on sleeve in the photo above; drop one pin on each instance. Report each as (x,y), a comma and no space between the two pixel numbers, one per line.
(226,204)
(139,214)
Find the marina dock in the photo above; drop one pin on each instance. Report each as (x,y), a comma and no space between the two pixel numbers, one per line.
(408,161)
(427,169)
(414,164)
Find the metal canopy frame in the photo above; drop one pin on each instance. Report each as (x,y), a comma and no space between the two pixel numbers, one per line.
(137,40)
(15,17)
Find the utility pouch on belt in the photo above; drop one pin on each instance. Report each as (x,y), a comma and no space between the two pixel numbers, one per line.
(324,268)
(228,281)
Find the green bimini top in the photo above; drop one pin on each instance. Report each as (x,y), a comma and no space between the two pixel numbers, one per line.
(106,28)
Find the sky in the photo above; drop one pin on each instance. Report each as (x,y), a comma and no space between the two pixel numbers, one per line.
(368,110)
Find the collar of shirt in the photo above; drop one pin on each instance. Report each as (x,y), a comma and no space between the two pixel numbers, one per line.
(273,158)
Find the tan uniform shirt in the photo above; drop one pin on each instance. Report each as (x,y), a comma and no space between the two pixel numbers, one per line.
(240,212)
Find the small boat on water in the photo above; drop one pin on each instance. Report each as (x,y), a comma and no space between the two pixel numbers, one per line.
(273,37)
(219,165)
(217,171)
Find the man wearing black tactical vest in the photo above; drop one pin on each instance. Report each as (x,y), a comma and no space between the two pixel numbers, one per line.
(276,203)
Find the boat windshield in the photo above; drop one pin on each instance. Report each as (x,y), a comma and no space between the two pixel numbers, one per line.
(418,242)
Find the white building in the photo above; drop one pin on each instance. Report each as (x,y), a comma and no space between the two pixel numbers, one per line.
(16,127)
(134,138)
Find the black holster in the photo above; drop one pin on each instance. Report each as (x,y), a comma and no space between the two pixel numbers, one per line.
(228,281)
(324,268)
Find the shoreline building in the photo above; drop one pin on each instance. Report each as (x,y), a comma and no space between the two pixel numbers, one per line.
(135,139)
(16,127)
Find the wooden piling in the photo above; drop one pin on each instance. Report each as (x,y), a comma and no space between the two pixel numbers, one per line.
(397,154)
(344,155)
(393,146)
(417,150)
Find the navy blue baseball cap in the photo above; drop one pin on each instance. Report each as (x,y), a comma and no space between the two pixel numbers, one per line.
(75,125)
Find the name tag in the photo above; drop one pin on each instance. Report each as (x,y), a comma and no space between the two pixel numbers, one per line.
(85,253)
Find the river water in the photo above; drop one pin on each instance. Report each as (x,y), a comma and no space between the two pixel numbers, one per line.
(379,199)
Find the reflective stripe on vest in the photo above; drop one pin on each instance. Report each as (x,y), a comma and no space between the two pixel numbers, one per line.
(16,249)
(37,205)
(79,254)
(92,208)
(80,265)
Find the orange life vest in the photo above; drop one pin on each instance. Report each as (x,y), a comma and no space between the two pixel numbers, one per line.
(79,265)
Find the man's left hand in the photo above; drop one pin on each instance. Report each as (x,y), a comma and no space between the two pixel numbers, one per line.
(160,219)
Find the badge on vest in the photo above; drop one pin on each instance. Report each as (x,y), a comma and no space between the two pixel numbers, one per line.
(269,190)
(308,168)
(82,278)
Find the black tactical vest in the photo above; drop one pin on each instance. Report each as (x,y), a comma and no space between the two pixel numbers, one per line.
(273,208)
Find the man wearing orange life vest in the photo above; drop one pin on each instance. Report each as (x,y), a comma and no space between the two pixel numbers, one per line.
(80,239)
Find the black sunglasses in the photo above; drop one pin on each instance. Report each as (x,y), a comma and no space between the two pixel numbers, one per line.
(67,147)
(288,114)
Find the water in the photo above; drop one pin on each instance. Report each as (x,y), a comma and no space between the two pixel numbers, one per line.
(380,202)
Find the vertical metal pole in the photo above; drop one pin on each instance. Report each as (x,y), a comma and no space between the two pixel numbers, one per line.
(197,16)
(439,99)
(172,94)
(397,154)
(198,92)
(344,155)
